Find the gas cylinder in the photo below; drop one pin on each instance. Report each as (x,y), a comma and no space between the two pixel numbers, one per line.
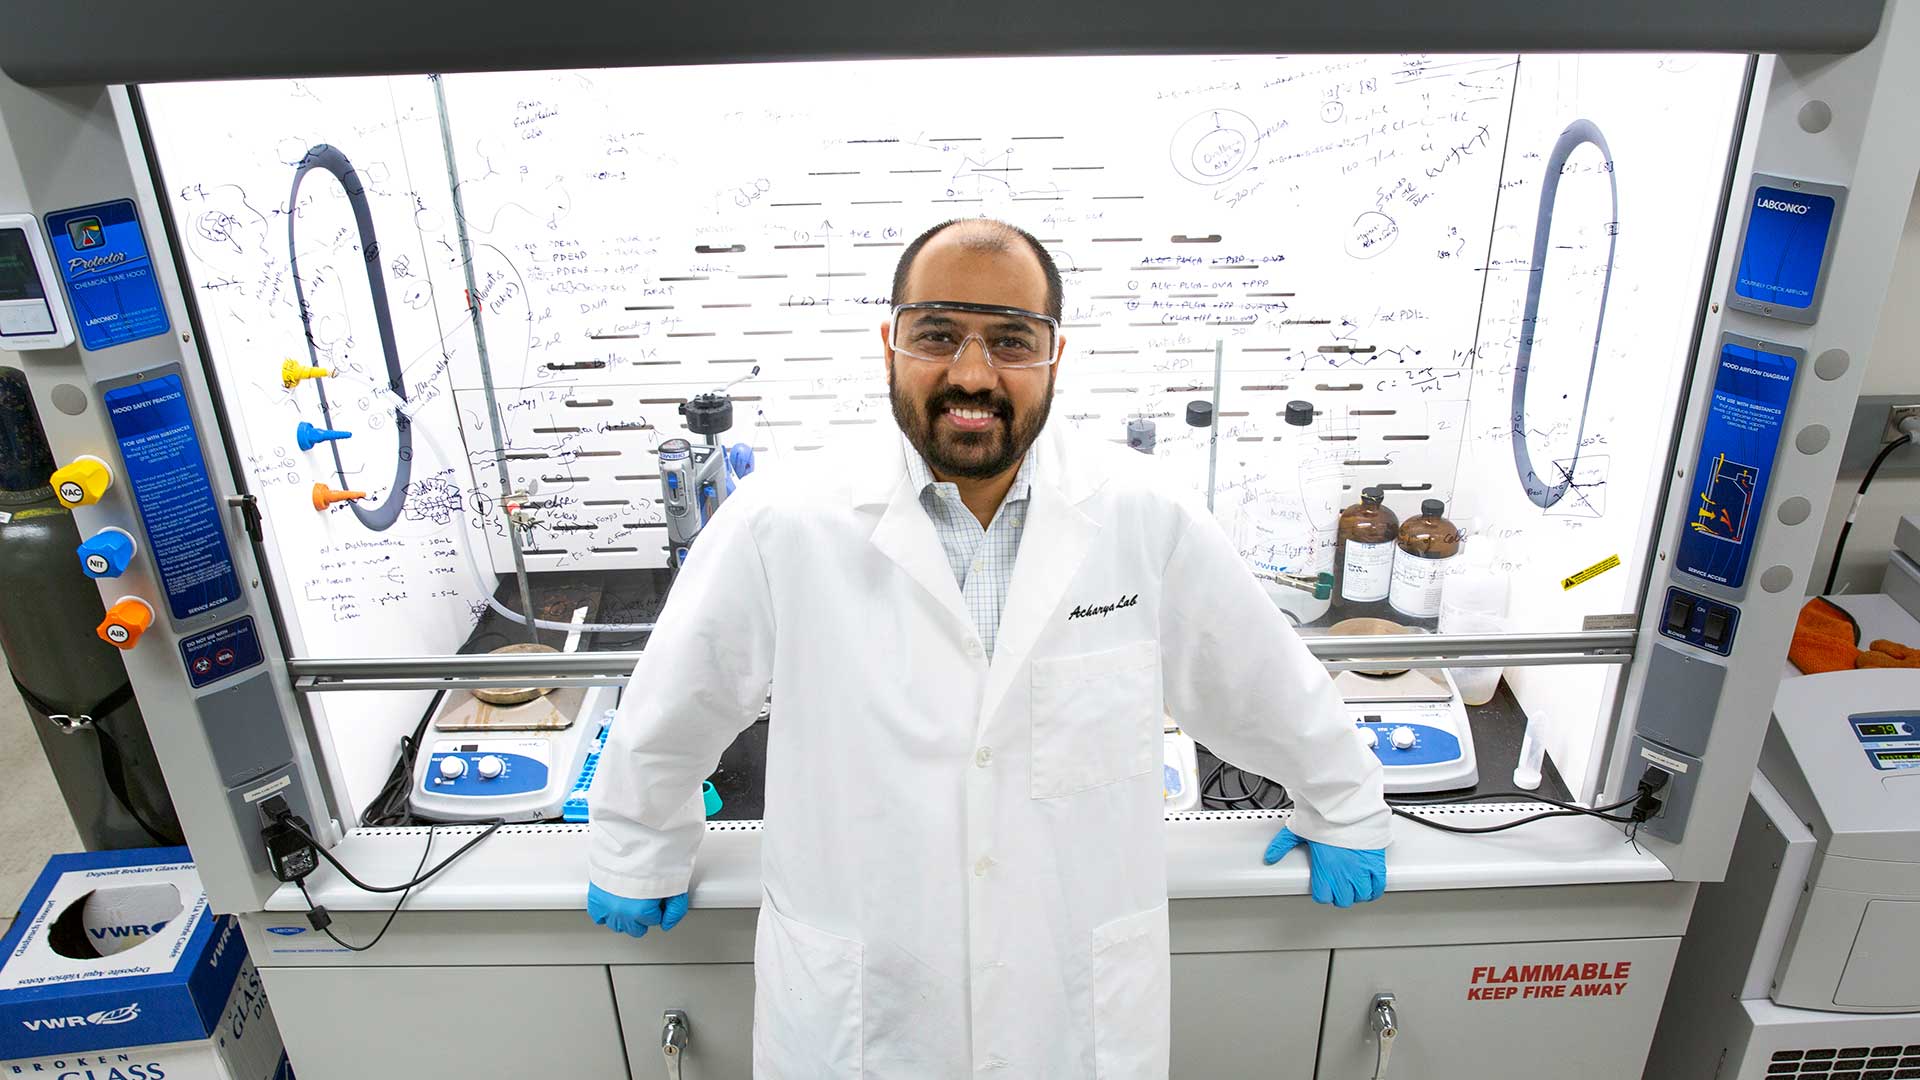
(65,673)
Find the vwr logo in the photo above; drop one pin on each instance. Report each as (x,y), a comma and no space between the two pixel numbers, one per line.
(102,933)
(1783,207)
(121,1015)
(220,947)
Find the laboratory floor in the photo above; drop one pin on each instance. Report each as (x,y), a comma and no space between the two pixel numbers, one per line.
(33,817)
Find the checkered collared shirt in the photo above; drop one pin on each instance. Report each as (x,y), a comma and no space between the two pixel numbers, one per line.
(982,559)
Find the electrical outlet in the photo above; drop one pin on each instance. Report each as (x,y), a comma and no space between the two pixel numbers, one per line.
(1676,800)
(1872,428)
(1895,415)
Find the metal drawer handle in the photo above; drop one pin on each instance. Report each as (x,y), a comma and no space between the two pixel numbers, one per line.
(673,1040)
(1386,1027)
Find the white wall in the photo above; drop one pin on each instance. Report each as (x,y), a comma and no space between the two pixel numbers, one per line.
(1892,368)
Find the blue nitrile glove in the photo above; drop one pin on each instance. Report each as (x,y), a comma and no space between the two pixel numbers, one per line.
(1340,876)
(626,916)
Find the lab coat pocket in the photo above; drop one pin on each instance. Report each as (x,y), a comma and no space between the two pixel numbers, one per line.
(807,1019)
(1096,718)
(1132,997)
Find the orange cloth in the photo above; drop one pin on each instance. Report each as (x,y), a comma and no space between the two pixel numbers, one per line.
(1823,639)
(1890,654)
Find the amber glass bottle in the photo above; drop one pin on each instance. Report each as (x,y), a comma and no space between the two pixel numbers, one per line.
(1365,548)
(1427,544)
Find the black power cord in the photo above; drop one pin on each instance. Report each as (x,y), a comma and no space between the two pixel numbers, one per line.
(1645,802)
(1215,793)
(1840,544)
(291,848)
(320,920)
(1470,830)
(299,829)
(390,805)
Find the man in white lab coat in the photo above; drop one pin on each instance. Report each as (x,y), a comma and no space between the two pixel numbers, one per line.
(971,625)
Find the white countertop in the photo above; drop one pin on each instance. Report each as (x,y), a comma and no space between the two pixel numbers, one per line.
(543,867)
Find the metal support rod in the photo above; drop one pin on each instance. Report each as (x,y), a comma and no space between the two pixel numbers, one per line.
(327,684)
(1466,647)
(506,665)
(494,423)
(1470,646)
(1490,660)
(614,668)
(1213,440)
(331,684)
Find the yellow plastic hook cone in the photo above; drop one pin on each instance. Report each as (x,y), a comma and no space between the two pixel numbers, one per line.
(293,373)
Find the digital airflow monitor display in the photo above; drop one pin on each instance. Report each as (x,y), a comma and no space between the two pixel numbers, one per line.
(31,316)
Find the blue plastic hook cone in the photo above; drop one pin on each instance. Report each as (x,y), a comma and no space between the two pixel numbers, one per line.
(309,436)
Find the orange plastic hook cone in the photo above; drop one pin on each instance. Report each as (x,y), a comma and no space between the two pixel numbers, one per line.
(324,496)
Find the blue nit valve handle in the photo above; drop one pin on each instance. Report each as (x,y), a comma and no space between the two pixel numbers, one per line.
(309,436)
(106,553)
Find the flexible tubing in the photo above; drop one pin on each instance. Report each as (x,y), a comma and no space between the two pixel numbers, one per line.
(331,160)
(1581,132)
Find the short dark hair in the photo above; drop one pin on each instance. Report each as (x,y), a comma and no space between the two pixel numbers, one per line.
(994,238)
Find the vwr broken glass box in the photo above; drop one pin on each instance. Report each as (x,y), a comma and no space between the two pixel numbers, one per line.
(114,969)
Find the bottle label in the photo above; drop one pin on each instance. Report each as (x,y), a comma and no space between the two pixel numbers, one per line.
(1416,585)
(1368,573)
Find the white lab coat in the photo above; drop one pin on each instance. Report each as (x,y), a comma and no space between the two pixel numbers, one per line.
(963,861)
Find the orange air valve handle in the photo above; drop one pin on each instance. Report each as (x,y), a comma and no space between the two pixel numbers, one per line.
(293,373)
(126,620)
(324,496)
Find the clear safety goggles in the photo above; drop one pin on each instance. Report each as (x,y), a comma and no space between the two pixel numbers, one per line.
(938,331)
